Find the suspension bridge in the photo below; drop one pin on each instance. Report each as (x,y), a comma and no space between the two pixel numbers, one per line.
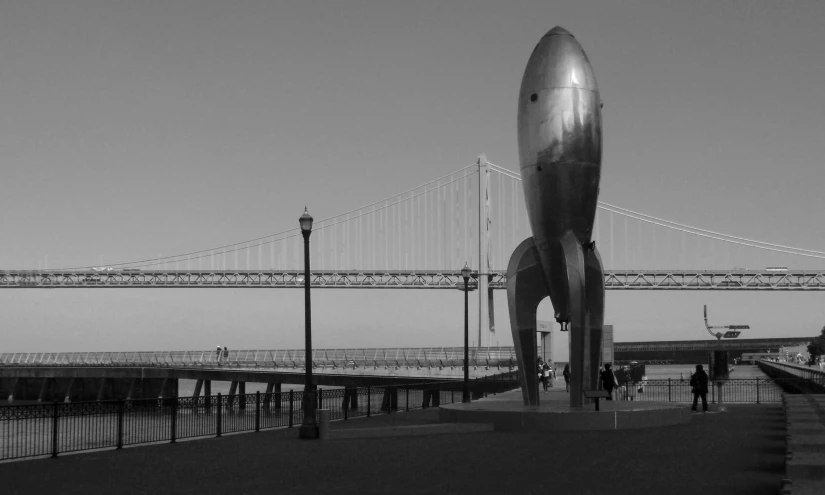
(421,237)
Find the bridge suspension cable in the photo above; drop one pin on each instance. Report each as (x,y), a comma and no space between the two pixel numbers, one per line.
(642,217)
(293,232)
(432,227)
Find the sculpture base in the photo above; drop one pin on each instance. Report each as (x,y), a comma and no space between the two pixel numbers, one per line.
(507,412)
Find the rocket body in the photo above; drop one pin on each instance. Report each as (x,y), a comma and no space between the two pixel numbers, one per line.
(560,152)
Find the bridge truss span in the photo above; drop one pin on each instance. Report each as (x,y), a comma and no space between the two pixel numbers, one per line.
(714,280)
(797,280)
(354,279)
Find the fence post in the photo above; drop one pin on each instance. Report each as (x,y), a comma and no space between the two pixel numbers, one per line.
(369,400)
(258,410)
(54,428)
(174,421)
(757,390)
(218,416)
(320,404)
(347,399)
(119,424)
(291,402)
(668,390)
(712,394)
(408,398)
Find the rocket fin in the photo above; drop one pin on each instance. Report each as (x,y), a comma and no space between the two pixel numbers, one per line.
(580,369)
(594,289)
(525,290)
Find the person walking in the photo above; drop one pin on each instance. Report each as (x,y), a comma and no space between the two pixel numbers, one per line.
(608,380)
(545,373)
(542,379)
(225,354)
(699,387)
(566,374)
(218,352)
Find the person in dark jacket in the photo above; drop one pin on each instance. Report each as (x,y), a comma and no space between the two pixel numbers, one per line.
(699,387)
(566,374)
(608,380)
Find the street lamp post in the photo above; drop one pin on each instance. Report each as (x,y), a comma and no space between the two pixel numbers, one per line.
(309,427)
(465,274)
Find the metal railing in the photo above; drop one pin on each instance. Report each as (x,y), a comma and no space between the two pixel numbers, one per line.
(741,390)
(800,378)
(52,429)
(422,357)
(812,372)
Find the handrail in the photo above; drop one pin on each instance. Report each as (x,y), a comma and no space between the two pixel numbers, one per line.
(799,370)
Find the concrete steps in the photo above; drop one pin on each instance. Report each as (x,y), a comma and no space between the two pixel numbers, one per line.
(801,487)
(805,445)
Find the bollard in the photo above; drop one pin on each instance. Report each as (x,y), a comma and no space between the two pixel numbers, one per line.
(323,424)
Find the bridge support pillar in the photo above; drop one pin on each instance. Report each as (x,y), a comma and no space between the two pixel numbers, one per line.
(350,398)
(101,391)
(44,389)
(241,395)
(390,399)
(432,397)
(68,397)
(198,387)
(230,401)
(131,393)
(168,389)
(207,395)
(11,390)
(270,389)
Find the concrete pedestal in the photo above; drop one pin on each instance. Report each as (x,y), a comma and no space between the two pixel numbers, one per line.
(507,412)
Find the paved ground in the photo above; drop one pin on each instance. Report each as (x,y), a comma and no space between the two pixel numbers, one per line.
(739,452)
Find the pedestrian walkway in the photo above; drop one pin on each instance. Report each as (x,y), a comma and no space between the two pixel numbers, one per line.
(739,452)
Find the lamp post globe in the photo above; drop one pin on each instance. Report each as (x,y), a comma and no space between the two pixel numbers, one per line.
(465,274)
(306,223)
(309,426)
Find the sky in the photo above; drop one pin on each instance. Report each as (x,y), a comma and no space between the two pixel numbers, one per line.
(131,129)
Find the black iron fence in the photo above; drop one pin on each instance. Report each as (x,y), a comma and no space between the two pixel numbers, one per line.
(744,390)
(51,429)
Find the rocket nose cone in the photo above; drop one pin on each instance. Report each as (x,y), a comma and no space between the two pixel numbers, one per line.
(558,30)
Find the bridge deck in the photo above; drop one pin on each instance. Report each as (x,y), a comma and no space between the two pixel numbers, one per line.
(614,280)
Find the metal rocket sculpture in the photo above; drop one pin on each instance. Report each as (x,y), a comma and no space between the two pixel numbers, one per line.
(560,153)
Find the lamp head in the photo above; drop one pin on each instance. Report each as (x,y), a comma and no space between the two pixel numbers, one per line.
(465,272)
(305,221)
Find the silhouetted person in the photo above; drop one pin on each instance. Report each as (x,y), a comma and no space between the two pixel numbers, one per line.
(699,387)
(225,353)
(566,374)
(218,353)
(608,380)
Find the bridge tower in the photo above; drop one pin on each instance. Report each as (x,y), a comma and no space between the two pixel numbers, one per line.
(484,265)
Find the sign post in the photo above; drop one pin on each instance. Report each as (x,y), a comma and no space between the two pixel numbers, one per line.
(718,359)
